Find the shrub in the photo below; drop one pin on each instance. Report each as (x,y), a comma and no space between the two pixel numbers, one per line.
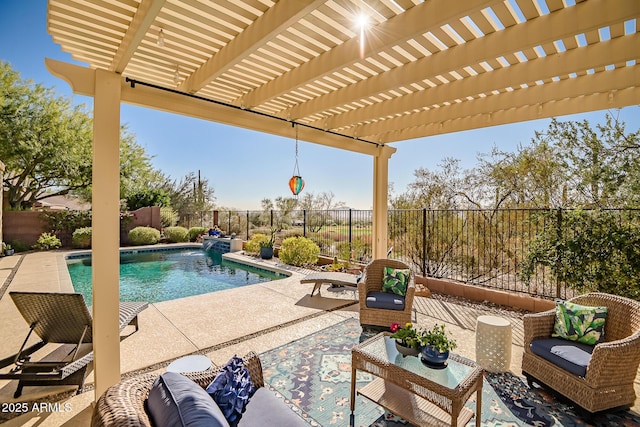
(66,221)
(253,245)
(176,234)
(194,232)
(298,251)
(294,232)
(168,217)
(82,238)
(144,236)
(47,241)
(19,245)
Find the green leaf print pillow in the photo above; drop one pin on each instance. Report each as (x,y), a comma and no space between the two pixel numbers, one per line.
(395,281)
(579,323)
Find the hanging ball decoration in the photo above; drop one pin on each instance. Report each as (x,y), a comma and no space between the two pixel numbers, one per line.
(296,184)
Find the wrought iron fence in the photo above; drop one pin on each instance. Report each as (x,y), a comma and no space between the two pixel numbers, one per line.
(481,247)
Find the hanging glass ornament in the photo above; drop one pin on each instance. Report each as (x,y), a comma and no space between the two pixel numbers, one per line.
(296,183)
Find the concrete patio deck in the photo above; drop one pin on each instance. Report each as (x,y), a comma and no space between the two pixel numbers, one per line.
(258,317)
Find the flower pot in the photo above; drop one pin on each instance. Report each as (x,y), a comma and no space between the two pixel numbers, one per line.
(406,351)
(266,253)
(433,357)
(8,252)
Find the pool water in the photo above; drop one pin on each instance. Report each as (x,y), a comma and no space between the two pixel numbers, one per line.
(162,275)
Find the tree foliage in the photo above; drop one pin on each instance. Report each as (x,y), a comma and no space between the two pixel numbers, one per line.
(148,197)
(318,207)
(45,143)
(589,251)
(277,213)
(46,146)
(190,194)
(569,165)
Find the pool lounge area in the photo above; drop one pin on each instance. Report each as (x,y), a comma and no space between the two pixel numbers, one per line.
(265,318)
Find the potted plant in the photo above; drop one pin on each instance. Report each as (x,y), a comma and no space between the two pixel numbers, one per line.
(8,250)
(266,246)
(407,339)
(436,346)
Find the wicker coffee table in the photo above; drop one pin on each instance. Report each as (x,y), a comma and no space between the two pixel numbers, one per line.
(413,391)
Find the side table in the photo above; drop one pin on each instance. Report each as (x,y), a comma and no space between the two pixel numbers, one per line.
(493,343)
(193,363)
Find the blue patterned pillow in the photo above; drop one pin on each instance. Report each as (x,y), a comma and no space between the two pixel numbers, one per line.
(231,389)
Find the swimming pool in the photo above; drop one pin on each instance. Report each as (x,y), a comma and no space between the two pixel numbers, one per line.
(165,274)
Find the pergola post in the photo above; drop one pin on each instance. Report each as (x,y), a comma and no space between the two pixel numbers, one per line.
(106,229)
(380,201)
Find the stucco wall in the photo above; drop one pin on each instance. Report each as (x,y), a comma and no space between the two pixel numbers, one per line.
(26,226)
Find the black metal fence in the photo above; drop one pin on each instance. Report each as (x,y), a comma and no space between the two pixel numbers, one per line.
(481,247)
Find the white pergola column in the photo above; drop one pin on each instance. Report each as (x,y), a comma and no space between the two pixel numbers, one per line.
(380,201)
(106,229)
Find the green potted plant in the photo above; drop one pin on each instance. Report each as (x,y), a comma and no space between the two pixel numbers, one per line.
(8,250)
(407,339)
(266,246)
(436,345)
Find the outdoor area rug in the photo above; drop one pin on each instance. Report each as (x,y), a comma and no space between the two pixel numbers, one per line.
(313,376)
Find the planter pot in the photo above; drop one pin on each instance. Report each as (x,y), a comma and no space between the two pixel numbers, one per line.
(8,252)
(266,253)
(433,357)
(406,351)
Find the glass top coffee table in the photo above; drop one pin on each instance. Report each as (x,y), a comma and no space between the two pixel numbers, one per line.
(410,389)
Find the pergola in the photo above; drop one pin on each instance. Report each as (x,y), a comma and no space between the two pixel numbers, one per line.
(350,74)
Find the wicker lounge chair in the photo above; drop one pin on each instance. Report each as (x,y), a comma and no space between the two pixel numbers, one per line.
(372,282)
(58,318)
(613,366)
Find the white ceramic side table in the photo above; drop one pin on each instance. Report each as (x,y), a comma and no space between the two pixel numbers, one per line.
(493,343)
(193,363)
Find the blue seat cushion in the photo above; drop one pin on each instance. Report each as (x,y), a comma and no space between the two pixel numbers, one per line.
(385,300)
(175,400)
(571,356)
(266,409)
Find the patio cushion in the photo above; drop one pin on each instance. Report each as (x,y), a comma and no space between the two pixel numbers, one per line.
(231,389)
(569,355)
(581,323)
(175,400)
(266,409)
(385,300)
(395,280)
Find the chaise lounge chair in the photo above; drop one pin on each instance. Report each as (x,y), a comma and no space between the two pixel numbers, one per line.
(333,277)
(58,318)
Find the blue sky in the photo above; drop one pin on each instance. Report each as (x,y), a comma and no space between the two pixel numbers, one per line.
(245,166)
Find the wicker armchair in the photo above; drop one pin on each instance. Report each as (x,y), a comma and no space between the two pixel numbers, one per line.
(613,366)
(372,282)
(124,403)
